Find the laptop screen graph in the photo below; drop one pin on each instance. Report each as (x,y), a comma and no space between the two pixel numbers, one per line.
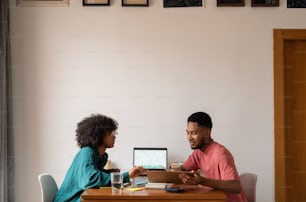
(150,158)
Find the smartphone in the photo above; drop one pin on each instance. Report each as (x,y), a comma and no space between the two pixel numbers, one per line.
(174,189)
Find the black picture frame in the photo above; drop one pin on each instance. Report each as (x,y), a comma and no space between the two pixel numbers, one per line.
(42,2)
(96,2)
(182,3)
(265,3)
(296,3)
(143,3)
(230,3)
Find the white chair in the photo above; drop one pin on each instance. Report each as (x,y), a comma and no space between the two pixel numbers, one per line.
(248,183)
(48,187)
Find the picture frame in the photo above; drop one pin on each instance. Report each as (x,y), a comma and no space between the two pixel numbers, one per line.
(230,3)
(42,2)
(264,3)
(296,3)
(135,2)
(182,3)
(96,2)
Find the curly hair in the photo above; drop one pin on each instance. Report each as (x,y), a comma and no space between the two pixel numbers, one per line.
(92,130)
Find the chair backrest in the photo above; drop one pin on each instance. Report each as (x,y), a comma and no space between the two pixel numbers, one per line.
(48,187)
(248,183)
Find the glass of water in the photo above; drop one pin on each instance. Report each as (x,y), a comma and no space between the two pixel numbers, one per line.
(116,180)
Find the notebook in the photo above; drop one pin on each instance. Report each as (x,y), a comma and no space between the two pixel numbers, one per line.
(150,158)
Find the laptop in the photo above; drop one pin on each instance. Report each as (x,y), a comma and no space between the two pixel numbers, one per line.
(150,158)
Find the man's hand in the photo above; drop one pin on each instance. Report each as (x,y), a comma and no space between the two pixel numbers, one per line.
(192,179)
(136,171)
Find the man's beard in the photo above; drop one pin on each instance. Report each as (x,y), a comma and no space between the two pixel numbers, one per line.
(200,145)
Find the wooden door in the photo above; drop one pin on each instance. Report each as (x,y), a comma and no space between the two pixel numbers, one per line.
(290,115)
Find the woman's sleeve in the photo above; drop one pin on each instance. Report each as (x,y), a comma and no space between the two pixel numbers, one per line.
(89,174)
(126,177)
(92,177)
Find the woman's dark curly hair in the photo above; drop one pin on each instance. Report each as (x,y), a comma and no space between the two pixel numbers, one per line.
(92,130)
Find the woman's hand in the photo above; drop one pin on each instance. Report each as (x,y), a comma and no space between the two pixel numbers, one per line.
(136,171)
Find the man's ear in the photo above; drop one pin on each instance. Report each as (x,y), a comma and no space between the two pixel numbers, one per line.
(207,132)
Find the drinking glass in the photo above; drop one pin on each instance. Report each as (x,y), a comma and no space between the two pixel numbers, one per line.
(116,181)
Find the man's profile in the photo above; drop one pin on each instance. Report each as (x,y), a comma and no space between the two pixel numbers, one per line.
(212,159)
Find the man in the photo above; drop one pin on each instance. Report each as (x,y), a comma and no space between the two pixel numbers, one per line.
(213,159)
(94,135)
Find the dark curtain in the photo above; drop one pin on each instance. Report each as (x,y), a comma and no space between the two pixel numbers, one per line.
(6,132)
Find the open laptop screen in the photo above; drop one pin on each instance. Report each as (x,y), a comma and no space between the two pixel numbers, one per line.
(150,158)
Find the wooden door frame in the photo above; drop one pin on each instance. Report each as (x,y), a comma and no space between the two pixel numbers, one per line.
(280,36)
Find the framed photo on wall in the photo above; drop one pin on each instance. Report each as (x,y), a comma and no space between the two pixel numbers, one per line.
(182,3)
(135,2)
(265,3)
(96,2)
(296,3)
(42,2)
(224,3)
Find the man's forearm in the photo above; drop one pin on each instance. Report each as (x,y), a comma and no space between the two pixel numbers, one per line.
(232,186)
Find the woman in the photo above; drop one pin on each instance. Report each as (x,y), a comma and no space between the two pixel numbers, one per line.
(94,135)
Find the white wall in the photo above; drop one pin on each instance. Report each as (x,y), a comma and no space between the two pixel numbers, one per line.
(149,68)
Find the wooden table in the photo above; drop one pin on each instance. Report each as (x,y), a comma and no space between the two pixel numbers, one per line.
(190,194)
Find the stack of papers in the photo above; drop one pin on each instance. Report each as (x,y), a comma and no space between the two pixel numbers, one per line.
(157,185)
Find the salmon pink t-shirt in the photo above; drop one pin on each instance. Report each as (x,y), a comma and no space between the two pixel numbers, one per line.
(216,162)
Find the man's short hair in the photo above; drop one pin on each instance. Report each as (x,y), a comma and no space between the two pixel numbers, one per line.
(202,118)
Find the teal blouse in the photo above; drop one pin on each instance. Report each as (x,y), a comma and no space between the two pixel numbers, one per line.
(86,171)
